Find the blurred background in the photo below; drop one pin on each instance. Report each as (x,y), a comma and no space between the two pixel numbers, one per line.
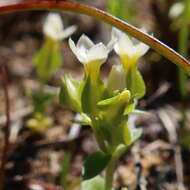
(52,157)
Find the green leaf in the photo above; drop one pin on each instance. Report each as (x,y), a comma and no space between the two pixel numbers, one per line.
(41,100)
(84,121)
(91,94)
(96,183)
(108,101)
(95,164)
(129,108)
(139,86)
(70,94)
(135,83)
(127,134)
(47,59)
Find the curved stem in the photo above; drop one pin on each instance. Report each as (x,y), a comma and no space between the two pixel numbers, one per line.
(101,15)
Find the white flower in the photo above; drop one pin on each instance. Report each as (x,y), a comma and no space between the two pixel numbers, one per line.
(129,49)
(86,51)
(126,46)
(91,55)
(176,10)
(54,28)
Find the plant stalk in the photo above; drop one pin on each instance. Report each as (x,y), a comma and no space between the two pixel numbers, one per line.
(110,174)
(111,166)
(183,48)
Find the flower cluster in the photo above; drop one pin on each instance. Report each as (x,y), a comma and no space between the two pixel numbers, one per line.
(105,106)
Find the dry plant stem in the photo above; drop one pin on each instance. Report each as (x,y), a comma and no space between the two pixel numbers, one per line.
(5,85)
(171,129)
(106,17)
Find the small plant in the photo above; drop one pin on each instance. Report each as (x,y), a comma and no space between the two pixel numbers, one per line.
(106,106)
(47,60)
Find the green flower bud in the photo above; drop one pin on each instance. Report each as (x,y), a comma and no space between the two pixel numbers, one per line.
(116,79)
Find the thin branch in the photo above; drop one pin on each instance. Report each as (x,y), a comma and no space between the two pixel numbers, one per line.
(106,17)
(5,85)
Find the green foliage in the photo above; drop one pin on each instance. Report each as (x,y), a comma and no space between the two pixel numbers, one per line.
(96,183)
(120,8)
(91,168)
(41,100)
(135,83)
(105,107)
(129,108)
(70,93)
(91,94)
(48,59)
(84,121)
(106,115)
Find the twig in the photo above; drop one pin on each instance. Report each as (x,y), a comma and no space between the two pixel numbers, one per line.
(5,85)
(171,129)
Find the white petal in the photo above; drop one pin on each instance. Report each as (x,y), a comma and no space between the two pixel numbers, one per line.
(68,31)
(176,10)
(84,42)
(53,26)
(141,49)
(115,33)
(111,44)
(97,52)
(74,49)
(124,43)
(128,46)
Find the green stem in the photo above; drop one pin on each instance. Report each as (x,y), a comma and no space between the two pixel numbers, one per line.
(183,48)
(109,174)
(111,166)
